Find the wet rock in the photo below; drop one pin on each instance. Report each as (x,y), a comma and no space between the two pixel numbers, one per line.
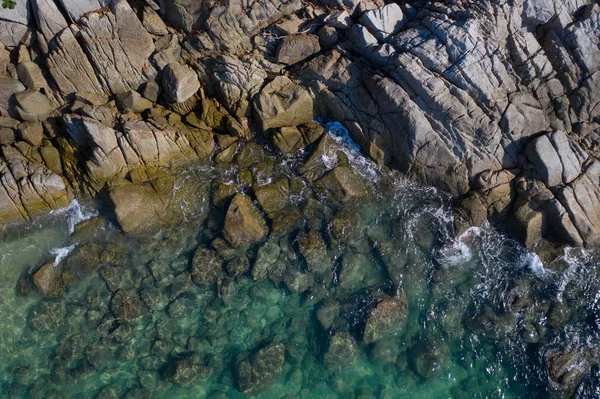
(387,318)
(345,185)
(117,277)
(207,266)
(291,138)
(295,48)
(132,101)
(256,372)
(159,269)
(244,225)
(32,106)
(48,279)
(386,351)
(179,82)
(342,351)
(357,271)
(566,370)
(283,103)
(297,281)
(182,307)
(273,197)
(126,305)
(314,250)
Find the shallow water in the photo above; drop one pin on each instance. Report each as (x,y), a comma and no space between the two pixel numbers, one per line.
(482,312)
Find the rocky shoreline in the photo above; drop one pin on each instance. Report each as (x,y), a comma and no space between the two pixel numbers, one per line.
(494,102)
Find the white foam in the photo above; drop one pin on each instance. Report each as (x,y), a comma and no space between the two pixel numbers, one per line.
(460,250)
(61,253)
(531,261)
(75,214)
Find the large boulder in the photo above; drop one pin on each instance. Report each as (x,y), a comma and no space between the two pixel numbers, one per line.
(283,103)
(117,45)
(32,106)
(557,158)
(384,22)
(244,224)
(48,279)
(345,185)
(179,82)
(295,48)
(138,208)
(8,87)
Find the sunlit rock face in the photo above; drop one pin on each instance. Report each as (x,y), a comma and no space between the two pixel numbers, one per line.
(299,199)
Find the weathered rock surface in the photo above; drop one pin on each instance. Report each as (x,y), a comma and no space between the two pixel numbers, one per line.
(477,101)
(179,82)
(295,48)
(244,224)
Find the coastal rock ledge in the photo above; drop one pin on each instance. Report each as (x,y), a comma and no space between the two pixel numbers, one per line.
(496,102)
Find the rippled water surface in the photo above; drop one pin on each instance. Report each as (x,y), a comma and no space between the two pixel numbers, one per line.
(482,315)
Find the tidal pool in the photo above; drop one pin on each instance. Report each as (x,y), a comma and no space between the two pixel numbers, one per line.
(373,299)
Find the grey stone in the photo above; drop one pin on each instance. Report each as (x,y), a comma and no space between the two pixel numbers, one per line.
(153,23)
(8,87)
(384,22)
(283,103)
(32,106)
(150,91)
(31,75)
(179,82)
(132,101)
(295,48)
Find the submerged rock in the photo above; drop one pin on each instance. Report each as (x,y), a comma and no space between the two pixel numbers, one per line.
(342,351)
(256,372)
(207,266)
(387,318)
(185,371)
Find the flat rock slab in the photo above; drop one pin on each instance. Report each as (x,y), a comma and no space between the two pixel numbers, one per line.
(295,48)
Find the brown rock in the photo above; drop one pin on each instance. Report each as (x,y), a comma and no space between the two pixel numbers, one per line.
(48,279)
(244,225)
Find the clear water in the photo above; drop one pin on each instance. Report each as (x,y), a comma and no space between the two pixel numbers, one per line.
(479,306)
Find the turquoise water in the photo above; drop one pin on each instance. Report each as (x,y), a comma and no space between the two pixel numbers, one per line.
(481,312)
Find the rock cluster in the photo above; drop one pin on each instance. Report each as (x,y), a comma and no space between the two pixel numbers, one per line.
(484,102)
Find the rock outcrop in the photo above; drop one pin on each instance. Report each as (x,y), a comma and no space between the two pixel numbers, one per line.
(494,103)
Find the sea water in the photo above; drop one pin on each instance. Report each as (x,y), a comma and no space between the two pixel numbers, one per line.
(480,307)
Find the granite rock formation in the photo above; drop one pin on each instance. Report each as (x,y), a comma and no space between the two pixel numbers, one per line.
(494,102)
